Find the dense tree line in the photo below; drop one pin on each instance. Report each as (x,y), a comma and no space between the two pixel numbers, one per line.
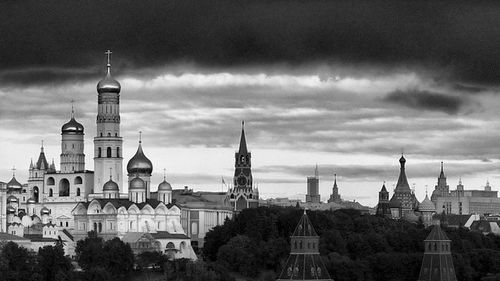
(353,246)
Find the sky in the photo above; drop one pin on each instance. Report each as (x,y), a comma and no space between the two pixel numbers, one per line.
(348,85)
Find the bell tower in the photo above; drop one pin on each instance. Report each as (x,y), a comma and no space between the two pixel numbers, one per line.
(108,141)
(243,195)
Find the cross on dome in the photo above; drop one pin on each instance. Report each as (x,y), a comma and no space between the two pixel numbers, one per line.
(108,55)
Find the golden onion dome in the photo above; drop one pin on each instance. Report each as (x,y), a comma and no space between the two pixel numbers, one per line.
(108,85)
(139,163)
(164,186)
(44,211)
(14,184)
(72,126)
(110,186)
(10,210)
(137,183)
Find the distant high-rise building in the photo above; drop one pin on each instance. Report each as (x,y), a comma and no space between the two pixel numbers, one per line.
(313,195)
(437,264)
(304,262)
(442,188)
(335,196)
(243,194)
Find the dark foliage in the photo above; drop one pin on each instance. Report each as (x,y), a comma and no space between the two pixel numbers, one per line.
(354,246)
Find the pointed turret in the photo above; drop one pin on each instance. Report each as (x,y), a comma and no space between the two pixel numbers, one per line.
(442,188)
(437,264)
(304,262)
(383,208)
(402,184)
(41,163)
(31,164)
(243,142)
(335,196)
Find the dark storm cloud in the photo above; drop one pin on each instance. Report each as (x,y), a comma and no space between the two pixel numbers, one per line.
(457,38)
(418,99)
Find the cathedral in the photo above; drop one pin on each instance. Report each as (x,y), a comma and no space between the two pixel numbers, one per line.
(74,200)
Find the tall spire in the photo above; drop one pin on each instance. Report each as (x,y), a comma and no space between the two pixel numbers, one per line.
(402,181)
(316,173)
(243,142)
(140,137)
(441,175)
(335,180)
(108,65)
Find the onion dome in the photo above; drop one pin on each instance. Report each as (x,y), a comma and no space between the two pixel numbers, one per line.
(11,210)
(31,201)
(164,186)
(426,205)
(108,84)
(402,160)
(110,186)
(14,184)
(72,127)
(139,164)
(44,211)
(137,183)
(12,199)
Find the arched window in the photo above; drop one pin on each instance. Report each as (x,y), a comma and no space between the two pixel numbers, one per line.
(99,152)
(35,193)
(101,134)
(67,224)
(78,192)
(95,226)
(117,152)
(131,225)
(108,153)
(109,134)
(36,175)
(51,193)
(78,180)
(51,181)
(100,227)
(64,187)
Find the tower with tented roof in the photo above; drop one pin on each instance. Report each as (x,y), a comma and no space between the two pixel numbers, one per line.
(304,262)
(437,264)
(403,195)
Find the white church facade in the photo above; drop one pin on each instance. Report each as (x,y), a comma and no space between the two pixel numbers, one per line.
(76,200)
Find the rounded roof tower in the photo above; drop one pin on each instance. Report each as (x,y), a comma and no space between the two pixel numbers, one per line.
(137,183)
(108,84)
(164,185)
(14,184)
(72,126)
(44,211)
(426,205)
(139,163)
(110,186)
(12,199)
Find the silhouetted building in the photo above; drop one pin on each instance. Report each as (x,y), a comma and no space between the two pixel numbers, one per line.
(403,198)
(243,195)
(335,196)
(437,264)
(383,208)
(304,262)
(313,195)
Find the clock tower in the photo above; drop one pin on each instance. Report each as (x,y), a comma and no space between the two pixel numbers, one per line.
(243,194)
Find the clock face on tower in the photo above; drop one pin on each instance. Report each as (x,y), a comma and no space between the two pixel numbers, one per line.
(242,181)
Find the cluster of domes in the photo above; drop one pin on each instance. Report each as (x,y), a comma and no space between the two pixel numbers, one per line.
(72,126)
(139,164)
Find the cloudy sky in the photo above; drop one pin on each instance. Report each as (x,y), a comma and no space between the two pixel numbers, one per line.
(346,85)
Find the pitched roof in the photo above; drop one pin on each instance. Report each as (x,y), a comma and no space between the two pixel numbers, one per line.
(168,235)
(10,237)
(437,234)
(133,237)
(243,141)
(304,227)
(402,185)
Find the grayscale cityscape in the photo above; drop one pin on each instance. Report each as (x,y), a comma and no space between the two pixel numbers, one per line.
(249,140)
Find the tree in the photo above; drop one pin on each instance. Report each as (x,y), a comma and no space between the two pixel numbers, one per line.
(15,263)
(89,252)
(239,255)
(118,258)
(52,262)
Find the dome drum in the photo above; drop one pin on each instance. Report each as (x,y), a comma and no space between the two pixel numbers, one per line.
(137,184)
(164,186)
